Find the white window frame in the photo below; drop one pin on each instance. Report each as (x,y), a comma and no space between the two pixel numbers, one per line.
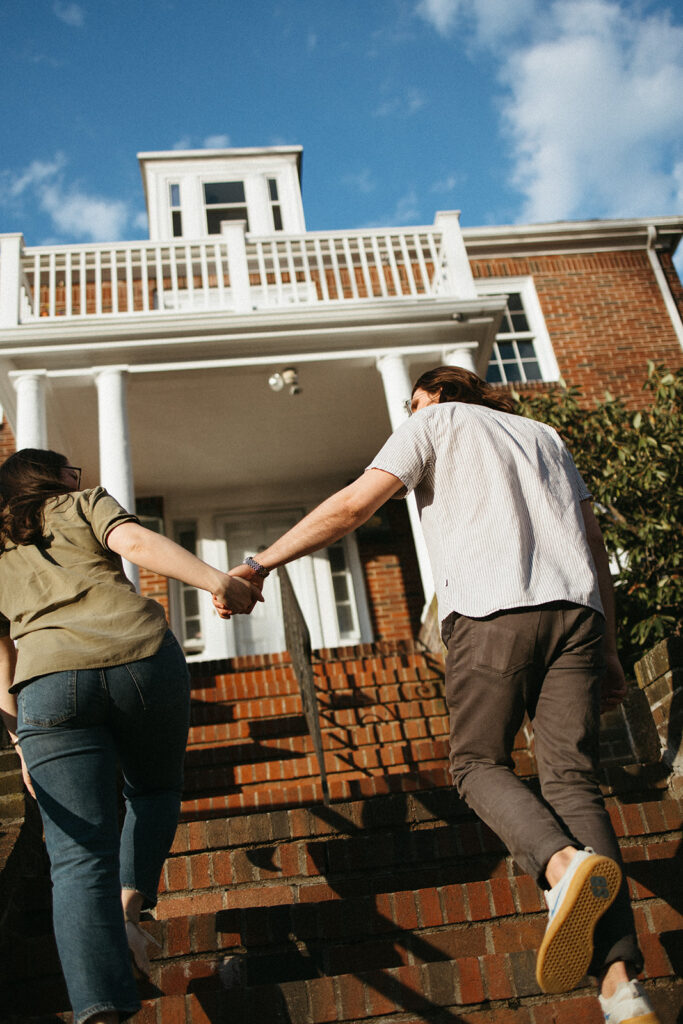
(526,289)
(360,608)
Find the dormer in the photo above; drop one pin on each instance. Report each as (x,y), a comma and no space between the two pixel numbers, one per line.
(191,193)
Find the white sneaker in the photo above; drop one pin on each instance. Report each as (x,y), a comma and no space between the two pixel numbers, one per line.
(629,1005)
(576,904)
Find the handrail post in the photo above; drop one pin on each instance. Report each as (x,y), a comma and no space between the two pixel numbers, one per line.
(11,246)
(232,232)
(298,642)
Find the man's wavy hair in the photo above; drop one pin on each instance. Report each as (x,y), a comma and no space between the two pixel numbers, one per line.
(27,479)
(453,384)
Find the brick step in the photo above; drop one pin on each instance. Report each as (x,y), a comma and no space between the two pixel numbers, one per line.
(238,683)
(248,742)
(346,695)
(230,767)
(436,991)
(353,785)
(265,721)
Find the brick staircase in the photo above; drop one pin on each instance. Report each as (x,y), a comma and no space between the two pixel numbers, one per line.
(392,904)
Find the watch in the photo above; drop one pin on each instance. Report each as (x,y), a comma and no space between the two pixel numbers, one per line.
(259,569)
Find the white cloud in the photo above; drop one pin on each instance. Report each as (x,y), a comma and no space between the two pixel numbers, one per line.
(72,211)
(70,13)
(80,215)
(441,14)
(361,181)
(216,142)
(591,106)
(37,172)
(445,184)
(404,105)
(592,112)
(184,143)
(406,211)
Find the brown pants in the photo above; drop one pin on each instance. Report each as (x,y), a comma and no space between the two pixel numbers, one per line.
(547,661)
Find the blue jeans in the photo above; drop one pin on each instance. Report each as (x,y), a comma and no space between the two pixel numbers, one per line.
(76,727)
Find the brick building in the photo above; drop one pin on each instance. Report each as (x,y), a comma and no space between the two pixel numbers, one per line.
(230,372)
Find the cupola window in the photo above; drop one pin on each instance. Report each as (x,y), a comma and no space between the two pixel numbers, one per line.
(224,200)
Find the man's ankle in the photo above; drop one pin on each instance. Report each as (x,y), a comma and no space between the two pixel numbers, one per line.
(615,975)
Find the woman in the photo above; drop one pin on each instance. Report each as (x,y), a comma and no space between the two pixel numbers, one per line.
(96,680)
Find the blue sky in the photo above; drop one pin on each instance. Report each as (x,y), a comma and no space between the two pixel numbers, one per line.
(514,111)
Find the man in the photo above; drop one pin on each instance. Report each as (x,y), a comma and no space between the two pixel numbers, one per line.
(526,607)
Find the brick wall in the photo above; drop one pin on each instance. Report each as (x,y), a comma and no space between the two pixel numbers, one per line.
(8,445)
(392,576)
(605,315)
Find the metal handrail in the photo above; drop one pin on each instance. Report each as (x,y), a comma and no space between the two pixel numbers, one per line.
(298,642)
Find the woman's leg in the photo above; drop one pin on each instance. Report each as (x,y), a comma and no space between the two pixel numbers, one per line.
(151,699)
(71,757)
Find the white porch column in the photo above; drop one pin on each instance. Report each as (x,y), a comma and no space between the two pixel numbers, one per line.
(116,470)
(464,356)
(233,233)
(31,419)
(397,389)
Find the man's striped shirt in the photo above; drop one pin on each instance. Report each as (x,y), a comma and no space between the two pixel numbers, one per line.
(499,500)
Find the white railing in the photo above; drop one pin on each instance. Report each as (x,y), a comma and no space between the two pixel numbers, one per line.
(140,278)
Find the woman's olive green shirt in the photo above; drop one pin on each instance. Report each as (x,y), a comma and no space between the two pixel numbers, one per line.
(68,604)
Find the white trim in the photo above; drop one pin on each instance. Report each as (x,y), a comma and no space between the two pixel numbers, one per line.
(359,591)
(525,287)
(660,277)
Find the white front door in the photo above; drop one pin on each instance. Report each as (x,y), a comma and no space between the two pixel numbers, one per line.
(262,632)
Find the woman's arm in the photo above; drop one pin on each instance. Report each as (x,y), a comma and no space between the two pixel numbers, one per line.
(157,553)
(8,702)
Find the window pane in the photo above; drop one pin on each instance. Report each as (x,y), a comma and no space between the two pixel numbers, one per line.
(532,369)
(215,217)
(277,218)
(224,192)
(506,350)
(336,557)
(272,188)
(193,630)
(188,539)
(526,349)
(515,302)
(191,602)
(519,322)
(341,589)
(175,195)
(493,374)
(345,619)
(177,223)
(513,372)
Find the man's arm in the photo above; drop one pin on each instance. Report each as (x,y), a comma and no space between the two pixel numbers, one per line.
(614,684)
(334,518)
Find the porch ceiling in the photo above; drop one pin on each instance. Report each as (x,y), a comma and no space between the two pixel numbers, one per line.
(196,432)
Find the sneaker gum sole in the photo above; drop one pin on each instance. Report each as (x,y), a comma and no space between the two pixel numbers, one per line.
(567,947)
(642,1018)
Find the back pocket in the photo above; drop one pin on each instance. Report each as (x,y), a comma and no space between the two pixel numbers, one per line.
(48,700)
(499,648)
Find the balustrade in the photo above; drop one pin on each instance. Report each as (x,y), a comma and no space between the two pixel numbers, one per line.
(141,278)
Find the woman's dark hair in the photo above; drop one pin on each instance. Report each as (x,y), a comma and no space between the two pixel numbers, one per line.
(458,385)
(27,479)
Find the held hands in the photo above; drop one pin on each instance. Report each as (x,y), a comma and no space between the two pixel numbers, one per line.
(613,688)
(236,595)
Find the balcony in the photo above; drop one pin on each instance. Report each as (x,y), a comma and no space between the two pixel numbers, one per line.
(233,272)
